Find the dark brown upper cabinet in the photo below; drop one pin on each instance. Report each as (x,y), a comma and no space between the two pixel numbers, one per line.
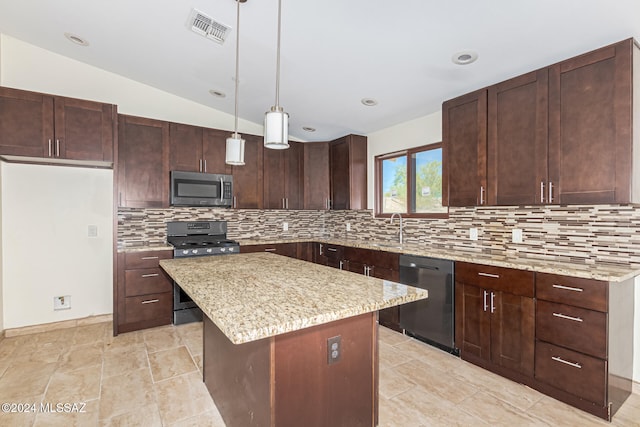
(348,165)
(53,127)
(197,149)
(143,162)
(559,135)
(590,127)
(283,177)
(464,133)
(316,175)
(247,179)
(517,172)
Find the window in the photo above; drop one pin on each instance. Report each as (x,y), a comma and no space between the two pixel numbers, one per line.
(410,182)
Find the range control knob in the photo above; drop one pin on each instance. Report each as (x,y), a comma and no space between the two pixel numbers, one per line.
(209,250)
(185,252)
(223,249)
(194,251)
(231,249)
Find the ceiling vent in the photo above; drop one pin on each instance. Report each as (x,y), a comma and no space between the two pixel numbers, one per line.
(207,27)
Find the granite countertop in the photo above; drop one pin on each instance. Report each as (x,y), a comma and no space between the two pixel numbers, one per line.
(597,271)
(259,295)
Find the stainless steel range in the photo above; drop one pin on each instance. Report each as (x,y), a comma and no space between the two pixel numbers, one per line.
(191,239)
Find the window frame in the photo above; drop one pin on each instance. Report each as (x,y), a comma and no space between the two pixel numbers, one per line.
(408,153)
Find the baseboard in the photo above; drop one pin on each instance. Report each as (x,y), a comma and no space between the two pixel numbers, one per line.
(65,324)
(635,388)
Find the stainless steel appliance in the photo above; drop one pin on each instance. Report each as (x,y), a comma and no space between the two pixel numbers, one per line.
(191,239)
(201,189)
(430,320)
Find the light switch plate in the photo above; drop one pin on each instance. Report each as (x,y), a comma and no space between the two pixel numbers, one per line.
(92,230)
(473,233)
(516,235)
(348,226)
(285,226)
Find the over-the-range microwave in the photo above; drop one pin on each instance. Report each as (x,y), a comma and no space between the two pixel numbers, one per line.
(201,189)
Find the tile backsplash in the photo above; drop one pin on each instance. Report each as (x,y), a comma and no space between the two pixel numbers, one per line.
(579,234)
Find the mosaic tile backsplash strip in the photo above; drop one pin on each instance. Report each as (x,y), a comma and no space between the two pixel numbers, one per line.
(579,234)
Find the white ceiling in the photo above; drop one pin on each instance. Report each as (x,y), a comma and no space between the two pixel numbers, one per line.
(334,52)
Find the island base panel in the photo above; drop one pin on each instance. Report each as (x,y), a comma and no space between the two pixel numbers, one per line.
(286,380)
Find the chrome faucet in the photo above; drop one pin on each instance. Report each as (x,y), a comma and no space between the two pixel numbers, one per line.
(391,222)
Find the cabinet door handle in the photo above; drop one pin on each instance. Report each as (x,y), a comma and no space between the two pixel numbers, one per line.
(150,275)
(283,205)
(485,301)
(481,195)
(366,270)
(493,276)
(550,192)
(49,147)
(200,167)
(566,362)
(564,316)
(57,148)
(332,249)
(119,198)
(270,249)
(320,248)
(205,165)
(493,306)
(340,266)
(235,205)
(568,288)
(150,257)
(287,202)
(150,301)
(541,191)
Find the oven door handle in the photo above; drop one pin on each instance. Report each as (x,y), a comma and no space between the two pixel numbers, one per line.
(221,189)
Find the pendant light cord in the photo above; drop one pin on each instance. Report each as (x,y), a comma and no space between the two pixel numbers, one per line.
(237,64)
(278,55)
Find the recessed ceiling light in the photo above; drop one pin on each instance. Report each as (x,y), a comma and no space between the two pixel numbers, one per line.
(217,93)
(369,102)
(465,57)
(308,129)
(76,39)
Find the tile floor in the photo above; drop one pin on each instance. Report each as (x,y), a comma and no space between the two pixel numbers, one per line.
(152,378)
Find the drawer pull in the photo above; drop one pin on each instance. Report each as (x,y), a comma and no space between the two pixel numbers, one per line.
(150,257)
(150,275)
(332,249)
(493,276)
(150,301)
(566,362)
(564,316)
(270,250)
(568,288)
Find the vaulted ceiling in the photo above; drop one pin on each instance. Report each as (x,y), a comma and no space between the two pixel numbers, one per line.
(334,52)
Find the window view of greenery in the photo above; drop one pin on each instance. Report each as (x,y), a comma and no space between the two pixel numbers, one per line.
(394,185)
(427,181)
(414,187)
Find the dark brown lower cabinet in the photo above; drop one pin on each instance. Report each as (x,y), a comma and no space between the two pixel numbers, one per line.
(285,249)
(286,381)
(143,295)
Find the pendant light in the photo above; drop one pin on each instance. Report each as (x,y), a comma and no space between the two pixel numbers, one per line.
(276,120)
(235,143)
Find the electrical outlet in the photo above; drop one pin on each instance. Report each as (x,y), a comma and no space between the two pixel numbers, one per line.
(62,302)
(473,233)
(285,226)
(516,235)
(92,231)
(334,349)
(348,226)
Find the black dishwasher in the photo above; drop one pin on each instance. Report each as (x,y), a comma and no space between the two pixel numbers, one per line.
(430,320)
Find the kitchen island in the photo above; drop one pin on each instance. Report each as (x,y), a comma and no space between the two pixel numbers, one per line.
(288,342)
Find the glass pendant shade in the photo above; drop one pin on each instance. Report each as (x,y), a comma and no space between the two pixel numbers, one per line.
(276,129)
(235,150)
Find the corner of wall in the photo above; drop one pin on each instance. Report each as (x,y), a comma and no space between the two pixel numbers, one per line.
(1,259)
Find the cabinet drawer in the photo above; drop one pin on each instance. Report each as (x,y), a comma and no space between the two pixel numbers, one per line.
(149,307)
(572,327)
(148,259)
(581,375)
(146,281)
(587,293)
(517,282)
(332,252)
